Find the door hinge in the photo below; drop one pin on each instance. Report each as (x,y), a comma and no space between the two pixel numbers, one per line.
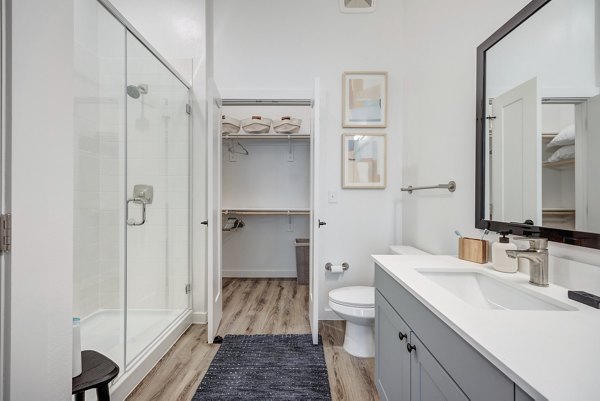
(188,288)
(188,109)
(5,233)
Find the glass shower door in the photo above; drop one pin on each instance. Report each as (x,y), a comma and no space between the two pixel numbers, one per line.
(157,204)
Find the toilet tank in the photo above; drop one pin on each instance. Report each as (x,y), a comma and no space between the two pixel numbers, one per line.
(406,250)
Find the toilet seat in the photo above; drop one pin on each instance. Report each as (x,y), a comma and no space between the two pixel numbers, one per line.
(354,297)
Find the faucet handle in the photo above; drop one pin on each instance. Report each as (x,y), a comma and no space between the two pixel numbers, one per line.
(535,244)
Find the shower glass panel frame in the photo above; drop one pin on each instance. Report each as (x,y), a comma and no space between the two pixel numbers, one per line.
(132,127)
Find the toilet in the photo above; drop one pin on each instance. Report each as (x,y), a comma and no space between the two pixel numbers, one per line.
(356,305)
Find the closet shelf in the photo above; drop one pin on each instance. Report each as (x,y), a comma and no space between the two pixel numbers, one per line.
(558,212)
(267,136)
(560,163)
(549,135)
(270,212)
(267,102)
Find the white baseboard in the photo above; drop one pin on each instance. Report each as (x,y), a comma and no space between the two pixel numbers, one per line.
(249,273)
(199,317)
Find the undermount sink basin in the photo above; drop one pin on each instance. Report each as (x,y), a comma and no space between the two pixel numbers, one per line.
(486,292)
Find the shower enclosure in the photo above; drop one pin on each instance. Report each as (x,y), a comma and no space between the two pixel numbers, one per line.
(132,195)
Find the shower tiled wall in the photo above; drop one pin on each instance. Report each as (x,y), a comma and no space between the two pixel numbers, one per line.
(99,159)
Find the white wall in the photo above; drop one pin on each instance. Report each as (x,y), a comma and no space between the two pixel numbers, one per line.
(439,124)
(178,29)
(274,45)
(41,274)
(441,69)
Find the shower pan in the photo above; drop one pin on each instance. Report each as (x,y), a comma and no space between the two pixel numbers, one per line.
(132,205)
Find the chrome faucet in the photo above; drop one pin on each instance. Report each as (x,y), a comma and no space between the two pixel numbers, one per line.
(537,254)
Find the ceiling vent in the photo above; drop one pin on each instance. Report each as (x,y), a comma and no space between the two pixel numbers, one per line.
(357,6)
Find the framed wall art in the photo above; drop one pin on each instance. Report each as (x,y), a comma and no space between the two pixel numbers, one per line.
(364,161)
(364,100)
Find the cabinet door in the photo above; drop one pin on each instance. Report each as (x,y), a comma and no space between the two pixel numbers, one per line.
(429,381)
(392,360)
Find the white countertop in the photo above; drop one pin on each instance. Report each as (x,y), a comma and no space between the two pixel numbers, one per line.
(552,355)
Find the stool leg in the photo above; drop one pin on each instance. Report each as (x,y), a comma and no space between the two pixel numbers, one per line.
(102,393)
(80,396)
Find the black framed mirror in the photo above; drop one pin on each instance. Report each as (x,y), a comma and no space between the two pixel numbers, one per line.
(538,124)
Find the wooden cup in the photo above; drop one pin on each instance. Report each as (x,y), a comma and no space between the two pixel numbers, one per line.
(473,250)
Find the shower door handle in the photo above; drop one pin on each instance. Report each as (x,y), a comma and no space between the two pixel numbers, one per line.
(132,222)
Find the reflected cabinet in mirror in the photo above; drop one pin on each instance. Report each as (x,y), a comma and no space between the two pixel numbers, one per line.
(538,123)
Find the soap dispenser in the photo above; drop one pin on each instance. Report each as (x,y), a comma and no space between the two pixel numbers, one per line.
(500,260)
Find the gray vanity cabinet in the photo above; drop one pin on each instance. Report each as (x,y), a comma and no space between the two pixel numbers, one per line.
(405,370)
(429,381)
(440,364)
(392,361)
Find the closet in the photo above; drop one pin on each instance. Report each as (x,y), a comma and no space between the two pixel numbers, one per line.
(265,184)
(558,165)
(262,192)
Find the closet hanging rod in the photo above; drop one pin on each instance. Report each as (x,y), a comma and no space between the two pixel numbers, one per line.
(271,212)
(266,136)
(451,187)
(266,102)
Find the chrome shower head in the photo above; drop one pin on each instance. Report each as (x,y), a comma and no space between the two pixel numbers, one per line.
(133,91)
(136,90)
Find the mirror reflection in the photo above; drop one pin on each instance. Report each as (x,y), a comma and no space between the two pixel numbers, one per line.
(543,120)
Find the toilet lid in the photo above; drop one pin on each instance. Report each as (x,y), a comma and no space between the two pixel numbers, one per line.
(358,296)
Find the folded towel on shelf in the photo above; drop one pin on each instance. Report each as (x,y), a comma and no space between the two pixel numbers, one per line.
(565,137)
(563,153)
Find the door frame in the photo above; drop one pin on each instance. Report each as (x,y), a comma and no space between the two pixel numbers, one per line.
(315,223)
(214,150)
(5,207)
(213,206)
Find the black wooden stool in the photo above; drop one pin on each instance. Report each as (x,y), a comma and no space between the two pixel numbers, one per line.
(96,372)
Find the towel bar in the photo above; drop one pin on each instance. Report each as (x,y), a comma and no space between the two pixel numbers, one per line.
(451,187)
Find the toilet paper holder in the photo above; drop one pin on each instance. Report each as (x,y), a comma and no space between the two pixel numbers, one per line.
(328,265)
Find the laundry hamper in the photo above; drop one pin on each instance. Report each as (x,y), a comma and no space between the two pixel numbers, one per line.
(302,260)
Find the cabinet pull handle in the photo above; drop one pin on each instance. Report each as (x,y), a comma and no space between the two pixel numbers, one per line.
(410,347)
(401,335)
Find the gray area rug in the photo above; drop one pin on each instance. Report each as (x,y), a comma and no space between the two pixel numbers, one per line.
(266,367)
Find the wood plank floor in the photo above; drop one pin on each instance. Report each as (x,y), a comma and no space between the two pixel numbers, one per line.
(257,306)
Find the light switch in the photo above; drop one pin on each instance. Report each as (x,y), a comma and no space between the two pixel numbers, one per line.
(332,196)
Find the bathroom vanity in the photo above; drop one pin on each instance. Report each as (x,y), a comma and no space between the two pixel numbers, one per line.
(446,329)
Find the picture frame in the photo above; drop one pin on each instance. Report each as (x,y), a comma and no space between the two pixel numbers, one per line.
(364,161)
(364,99)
